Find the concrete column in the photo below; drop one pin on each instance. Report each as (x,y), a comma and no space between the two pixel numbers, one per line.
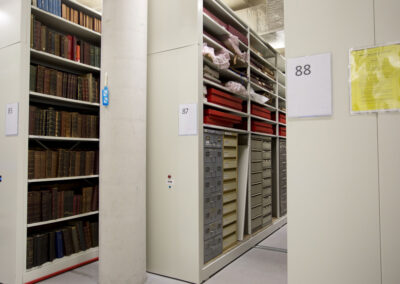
(123,143)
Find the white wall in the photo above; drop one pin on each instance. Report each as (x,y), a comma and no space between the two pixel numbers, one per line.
(123,143)
(336,192)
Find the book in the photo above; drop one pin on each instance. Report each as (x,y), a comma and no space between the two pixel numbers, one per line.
(59,244)
(75,240)
(29,253)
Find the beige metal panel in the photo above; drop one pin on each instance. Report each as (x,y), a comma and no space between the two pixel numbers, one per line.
(173,231)
(13,164)
(386,22)
(174,24)
(11,23)
(332,161)
(123,144)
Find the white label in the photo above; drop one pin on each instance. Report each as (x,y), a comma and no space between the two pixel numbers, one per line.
(309,86)
(187,119)
(12,119)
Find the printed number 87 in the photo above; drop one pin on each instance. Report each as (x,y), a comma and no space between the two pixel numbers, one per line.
(300,72)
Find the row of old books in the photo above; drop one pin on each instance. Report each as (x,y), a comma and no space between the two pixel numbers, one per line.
(51,122)
(63,241)
(66,46)
(70,14)
(61,163)
(62,84)
(51,204)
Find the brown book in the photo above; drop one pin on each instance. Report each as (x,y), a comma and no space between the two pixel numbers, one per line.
(31,164)
(75,239)
(87,193)
(95,199)
(32,32)
(65,85)
(43,35)
(79,126)
(64,11)
(34,206)
(36,167)
(54,202)
(60,169)
(32,114)
(77,163)
(58,124)
(37,28)
(61,204)
(66,43)
(53,82)
(67,124)
(67,237)
(49,39)
(74,124)
(66,164)
(29,252)
(72,163)
(47,81)
(54,164)
(40,79)
(43,164)
(57,44)
(49,160)
(82,163)
(59,84)
(88,237)
(46,205)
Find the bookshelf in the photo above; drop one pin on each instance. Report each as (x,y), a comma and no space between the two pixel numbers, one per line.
(58,194)
(251,209)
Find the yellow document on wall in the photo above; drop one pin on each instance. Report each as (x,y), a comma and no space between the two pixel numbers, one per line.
(375,79)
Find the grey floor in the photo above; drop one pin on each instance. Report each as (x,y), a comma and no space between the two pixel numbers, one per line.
(267,261)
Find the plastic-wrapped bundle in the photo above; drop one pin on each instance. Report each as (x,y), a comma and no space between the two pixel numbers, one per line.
(257,97)
(236,88)
(232,43)
(220,58)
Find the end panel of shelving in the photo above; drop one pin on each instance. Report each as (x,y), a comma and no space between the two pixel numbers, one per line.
(173,24)
(173,214)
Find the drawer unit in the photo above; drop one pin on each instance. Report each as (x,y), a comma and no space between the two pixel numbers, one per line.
(212,207)
(230,174)
(256,145)
(229,185)
(256,178)
(212,155)
(212,185)
(256,156)
(266,155)
(229,196)
(267,173)
(212,170)
(213,229)
(267,210)
(229,241)
(266,164)
(212,138)
(230,163)
(212,248)
(267,220)
(267,191)
(256,223)
(256,167)
(229,219)
(256,211)
(256,189)
(230,152)
(256,200)
(267,182)
(229,208)
(230,141)
(267,200)
(228,230)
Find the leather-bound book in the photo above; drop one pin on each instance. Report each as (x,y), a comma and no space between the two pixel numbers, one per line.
(46,205)
(53,82)
(59,244)
(52,245)
(29,252)
(88,237)
(31,164)
(32,78)
(75,239)
(81,235)
(43,36)
(54,203)
(57,44)
(67,241)
(40,79)
(59,84)
(37,28)
(47,81)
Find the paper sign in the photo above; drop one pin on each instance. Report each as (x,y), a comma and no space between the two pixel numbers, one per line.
(309,86)
(12,119)
(187,119)
(375,79)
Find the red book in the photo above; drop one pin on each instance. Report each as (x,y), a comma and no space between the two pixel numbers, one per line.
(78,53)
(70,43)
(260,111)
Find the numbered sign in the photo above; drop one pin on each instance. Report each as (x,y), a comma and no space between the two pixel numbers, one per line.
(12,119)
(187,119)
(309,86)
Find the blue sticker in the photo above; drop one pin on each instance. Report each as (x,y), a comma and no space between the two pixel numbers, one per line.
(1,178)
(105,97)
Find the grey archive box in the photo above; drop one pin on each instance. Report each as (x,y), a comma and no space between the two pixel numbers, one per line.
(213,229)
(212,155)
(256,223)
(256,211)
(213,138)
(256,178)
(267,210)
(212,185)
(256,200)
(212,207)
(266,145)
(212,170)
(266,164)
(256,167)
(256,145)
(212,247)
(256,156)
(256,189)
(267,220)
(267,191)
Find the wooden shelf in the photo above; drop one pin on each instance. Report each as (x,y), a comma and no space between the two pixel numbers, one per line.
(61,179)
(61,24)
(57,60)
(62,219)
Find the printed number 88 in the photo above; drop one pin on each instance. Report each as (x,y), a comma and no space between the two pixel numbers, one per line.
(300,72)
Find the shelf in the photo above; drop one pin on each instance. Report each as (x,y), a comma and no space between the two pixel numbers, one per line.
(260,46)
(281,78)
(217,30)
(226,73)
(281,98)
(62,219)
(282,124)
(61,24)
(237,112)
(257,87)
(53,59)
(216,45)
(264,105)
(61,179)
(56,138)
(225,13)
(252,68)
(60,264)
(283,137)
(60,101)
(263,119)
(218,86)
(282,111)
(91,12)
(263,134)
(225,128)
(260,58)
